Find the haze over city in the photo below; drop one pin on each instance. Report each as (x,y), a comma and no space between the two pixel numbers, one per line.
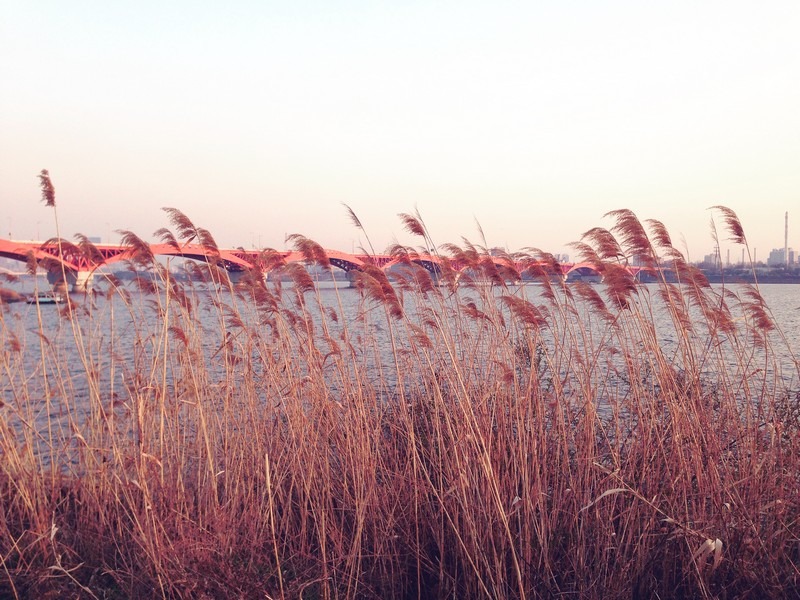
(259,119)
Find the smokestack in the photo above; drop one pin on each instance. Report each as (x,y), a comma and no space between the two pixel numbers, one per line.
(742,255)
(786,241)
(728,261)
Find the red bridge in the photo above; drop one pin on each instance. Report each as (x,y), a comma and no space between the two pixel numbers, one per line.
(75,264)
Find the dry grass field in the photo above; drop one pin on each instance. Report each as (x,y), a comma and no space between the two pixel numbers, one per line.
(448,439)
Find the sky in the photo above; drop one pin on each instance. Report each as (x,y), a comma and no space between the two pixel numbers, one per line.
(533,119)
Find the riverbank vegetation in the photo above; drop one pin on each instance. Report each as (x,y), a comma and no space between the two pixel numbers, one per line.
(444,439)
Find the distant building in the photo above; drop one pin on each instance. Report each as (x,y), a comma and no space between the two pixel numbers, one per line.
(777,258)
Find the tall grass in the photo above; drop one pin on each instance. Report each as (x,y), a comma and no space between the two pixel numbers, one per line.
(453,440)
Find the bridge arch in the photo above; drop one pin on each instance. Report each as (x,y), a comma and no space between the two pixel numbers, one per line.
(201,253)
(340,260)
(432,264)
(592,270)
(581,270)
(64,262)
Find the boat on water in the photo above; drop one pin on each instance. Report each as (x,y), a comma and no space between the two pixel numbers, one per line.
(46,298)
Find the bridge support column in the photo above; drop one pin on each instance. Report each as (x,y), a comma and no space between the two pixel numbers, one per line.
(56,278)
(80,281)
(236,276)
(83,281)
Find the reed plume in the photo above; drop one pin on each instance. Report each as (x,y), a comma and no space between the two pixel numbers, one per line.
(604,245)
(357,223)
(184,227)
(167,237)
(88,250)
(735,229)
(633,236)
(402,439)
(312,252)
(47,188)
(300,277)
(619,283)
(31,264)
(139,251)
(207,240)
(412,224)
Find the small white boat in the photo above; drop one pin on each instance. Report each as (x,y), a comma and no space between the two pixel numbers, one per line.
(46,298)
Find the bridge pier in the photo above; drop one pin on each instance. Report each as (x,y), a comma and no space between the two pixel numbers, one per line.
(236,277)
(83,281)
(55,277)
(80,281)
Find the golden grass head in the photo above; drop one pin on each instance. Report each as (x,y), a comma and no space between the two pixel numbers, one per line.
(604,243)
(31,264)
(48,190)
(89,250)
(412,224)
(140,251)
(353,217)
(312,252)
(167,237)
(733,224)
(182,224)
(633,236)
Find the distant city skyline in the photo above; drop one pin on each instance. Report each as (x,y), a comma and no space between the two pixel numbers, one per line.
(259,119)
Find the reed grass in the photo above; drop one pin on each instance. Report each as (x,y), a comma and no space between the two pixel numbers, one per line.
(449,439)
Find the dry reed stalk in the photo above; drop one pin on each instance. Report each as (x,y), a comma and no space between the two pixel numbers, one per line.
(441,442)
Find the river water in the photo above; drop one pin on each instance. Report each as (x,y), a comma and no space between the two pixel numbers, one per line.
(119,335)
(22,320)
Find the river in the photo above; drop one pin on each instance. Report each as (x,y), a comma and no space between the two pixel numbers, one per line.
(119,336)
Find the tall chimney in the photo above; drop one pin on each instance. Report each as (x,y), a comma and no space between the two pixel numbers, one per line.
(786,241)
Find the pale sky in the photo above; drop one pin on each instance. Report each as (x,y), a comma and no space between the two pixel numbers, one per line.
(258,119)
